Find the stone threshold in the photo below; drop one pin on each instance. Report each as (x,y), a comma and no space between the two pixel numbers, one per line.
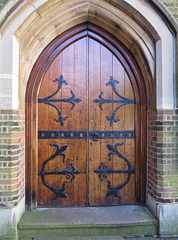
(44,223)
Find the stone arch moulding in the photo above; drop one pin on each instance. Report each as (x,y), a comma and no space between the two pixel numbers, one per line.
(38,71)
(52,19)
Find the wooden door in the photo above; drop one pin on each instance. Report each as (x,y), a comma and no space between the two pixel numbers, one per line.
(86,129)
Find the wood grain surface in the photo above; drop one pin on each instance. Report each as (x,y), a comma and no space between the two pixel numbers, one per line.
(86,65)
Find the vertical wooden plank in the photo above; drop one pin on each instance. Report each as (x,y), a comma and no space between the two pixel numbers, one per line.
(106,72)
(129,143)
(43,110)
(68,74)
(94,122)
(80,88)
(80,121)
(80,181)
(118,163)
(34,156)
(42,156)
(43,114)
(55,72)
(54,165)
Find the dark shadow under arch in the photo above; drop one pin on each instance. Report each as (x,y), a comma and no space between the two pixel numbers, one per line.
(38,71)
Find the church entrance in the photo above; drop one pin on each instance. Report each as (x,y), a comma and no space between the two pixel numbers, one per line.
(88,127)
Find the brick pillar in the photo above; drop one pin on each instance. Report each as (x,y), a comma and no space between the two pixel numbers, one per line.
(163,167)
(12,163)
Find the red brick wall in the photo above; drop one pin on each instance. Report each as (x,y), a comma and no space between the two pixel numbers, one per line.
(163,155)
(12,157)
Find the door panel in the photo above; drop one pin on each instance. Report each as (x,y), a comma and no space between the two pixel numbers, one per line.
(94,121)
(99,76)
(67,63)
(119,74)
(84,158)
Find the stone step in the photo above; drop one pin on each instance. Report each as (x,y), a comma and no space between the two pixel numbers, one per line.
(81,238)
(92,222)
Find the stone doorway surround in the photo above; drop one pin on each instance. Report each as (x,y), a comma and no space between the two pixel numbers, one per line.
(149,32)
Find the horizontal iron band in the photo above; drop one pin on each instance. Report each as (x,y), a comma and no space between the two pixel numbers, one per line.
(86,134)
(109,171)
(64,172)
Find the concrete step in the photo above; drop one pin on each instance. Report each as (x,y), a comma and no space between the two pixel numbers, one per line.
(92,222)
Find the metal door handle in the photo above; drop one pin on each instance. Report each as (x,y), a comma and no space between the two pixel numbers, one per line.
(94,136)
(95,140)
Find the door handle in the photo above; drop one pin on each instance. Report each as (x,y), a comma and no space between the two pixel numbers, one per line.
(95,140)
(94,137)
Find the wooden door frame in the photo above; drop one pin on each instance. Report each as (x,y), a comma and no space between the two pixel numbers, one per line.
(36,76)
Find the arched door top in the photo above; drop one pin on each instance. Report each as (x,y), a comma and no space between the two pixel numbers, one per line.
(98,34)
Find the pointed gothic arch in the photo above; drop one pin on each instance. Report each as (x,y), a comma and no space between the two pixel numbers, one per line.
(39,69)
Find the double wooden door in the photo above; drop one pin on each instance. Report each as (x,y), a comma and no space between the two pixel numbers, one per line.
(86,129)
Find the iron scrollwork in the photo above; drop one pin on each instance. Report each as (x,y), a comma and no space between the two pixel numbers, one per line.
(103,170)
(123,101)
(70,172)
(48,100)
